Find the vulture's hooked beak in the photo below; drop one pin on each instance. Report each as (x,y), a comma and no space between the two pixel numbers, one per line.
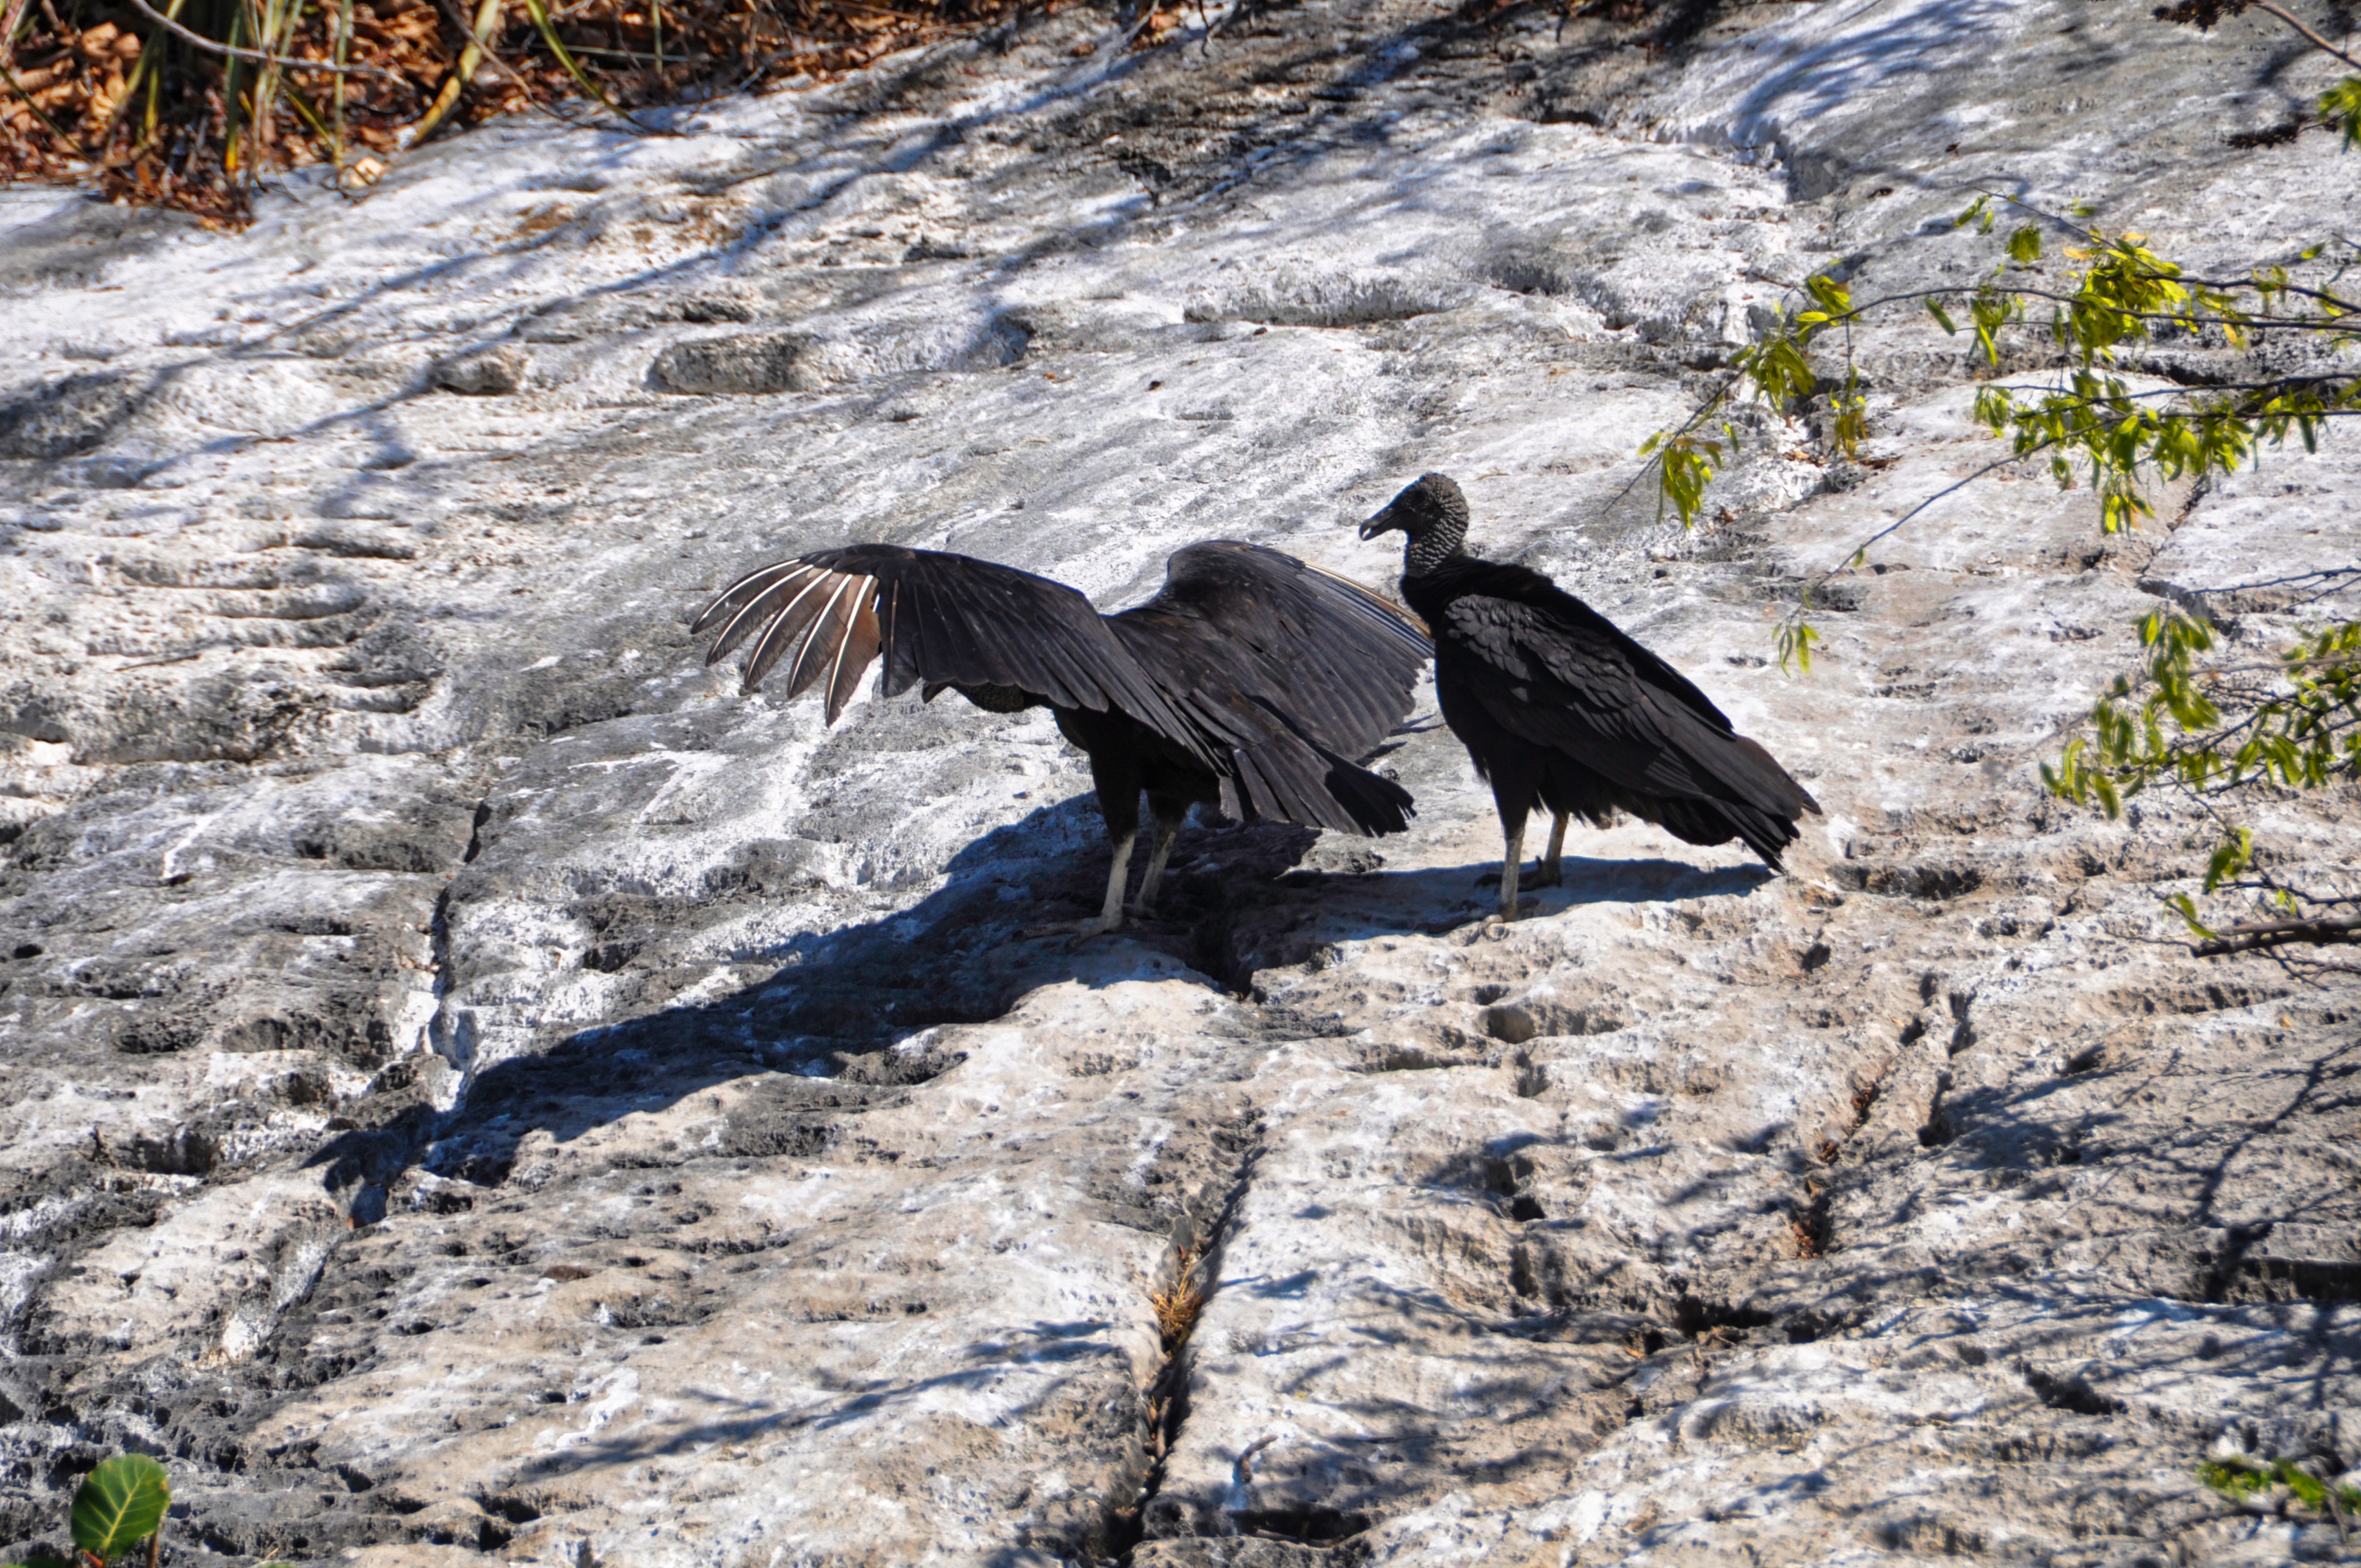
(1382,522)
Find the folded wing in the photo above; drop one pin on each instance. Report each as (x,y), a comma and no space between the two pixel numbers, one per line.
(1291,673)
(1566,679)
(1337,661)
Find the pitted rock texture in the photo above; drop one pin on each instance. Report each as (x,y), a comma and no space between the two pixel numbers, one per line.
(475,1087)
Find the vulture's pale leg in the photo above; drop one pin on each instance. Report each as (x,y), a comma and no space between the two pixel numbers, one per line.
(1512,862)
(1552,876)
(1166,829)
(1111,918)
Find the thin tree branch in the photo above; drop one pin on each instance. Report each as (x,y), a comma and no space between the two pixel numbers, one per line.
(2026,291)
(2283,383)
(1855,554)
(2314,40)
(2257,934)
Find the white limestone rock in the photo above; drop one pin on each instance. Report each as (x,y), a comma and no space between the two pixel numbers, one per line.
(471,1082)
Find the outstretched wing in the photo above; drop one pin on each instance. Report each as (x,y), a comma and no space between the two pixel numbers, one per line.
(936,618)
(1337,662)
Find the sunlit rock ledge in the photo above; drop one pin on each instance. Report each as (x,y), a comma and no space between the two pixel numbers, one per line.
(475,1087)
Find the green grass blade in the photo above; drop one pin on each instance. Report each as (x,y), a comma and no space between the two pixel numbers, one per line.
(343,48)
(565,57)
(149,68)
(233,102)
(305,112)
(119,1505)
(487,21)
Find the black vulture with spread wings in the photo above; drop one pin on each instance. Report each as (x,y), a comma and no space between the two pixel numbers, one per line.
(1252,682)
(1561,709)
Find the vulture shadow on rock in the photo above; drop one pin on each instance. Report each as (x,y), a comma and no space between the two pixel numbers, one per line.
(835,1016)
(1436,900)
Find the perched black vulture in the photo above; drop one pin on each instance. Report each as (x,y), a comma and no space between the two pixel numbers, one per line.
(1251,682)
(1561,709)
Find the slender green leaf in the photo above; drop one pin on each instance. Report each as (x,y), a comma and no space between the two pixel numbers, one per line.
(1795,640)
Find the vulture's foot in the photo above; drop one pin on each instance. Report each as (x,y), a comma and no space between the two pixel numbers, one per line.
(1553,873)
(1495,923)
(1073,930)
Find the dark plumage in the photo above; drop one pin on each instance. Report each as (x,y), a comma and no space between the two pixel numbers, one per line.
(1560,709)
(1251,682)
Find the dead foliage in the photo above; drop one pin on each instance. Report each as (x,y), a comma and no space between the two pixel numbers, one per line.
(1177,1308)
(1806,1234)
(188,104)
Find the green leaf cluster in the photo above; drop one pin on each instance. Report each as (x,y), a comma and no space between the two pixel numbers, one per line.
(2340,111)
(2116,293)
(2125,294)
(1776,367)
(1797,637)
(2250,1480)
(1687,461)
(2297,723)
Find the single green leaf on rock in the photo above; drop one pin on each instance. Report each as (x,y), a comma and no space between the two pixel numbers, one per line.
(2186,907)
(119,1505)
(1942,317)
(2025,245)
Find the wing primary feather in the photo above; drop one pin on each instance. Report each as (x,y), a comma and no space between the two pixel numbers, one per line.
(1384,611)
(901,661)
(788,625)
(746,587)
(854,651)
(751,613)
(932,654)
(827,633)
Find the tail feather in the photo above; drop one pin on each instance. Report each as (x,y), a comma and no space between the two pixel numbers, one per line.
(1378,805)
(1774,787)
(1693,821)
(1287,780)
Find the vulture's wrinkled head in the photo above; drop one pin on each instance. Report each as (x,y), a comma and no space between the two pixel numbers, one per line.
(1432,505)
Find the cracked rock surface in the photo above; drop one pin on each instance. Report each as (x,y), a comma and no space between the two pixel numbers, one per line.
(473,1087)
